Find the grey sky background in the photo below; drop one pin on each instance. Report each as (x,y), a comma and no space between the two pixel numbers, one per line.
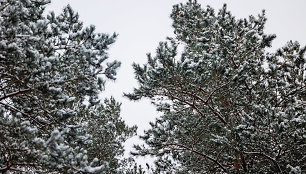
(142,24)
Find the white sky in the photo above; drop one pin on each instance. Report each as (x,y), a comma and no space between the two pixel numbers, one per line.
(142,24)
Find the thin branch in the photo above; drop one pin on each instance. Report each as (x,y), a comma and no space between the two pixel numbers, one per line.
(17,110)
(198,153)
(266,156)
(15,93)
(205,102)
(183,101)
(219,87)
(1,9)
(217,114)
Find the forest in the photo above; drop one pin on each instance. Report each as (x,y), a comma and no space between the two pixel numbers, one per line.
(227,103)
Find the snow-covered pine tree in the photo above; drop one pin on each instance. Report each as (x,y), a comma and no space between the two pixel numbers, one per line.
(228,105)
(49,67)
(108,133)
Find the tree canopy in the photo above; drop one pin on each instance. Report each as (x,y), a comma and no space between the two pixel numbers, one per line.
(51,72)
(228,105)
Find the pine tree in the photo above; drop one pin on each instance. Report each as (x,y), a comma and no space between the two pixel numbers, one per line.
(50,67)
(108,132)
(228,105)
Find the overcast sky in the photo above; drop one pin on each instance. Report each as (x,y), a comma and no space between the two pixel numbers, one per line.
(142,24)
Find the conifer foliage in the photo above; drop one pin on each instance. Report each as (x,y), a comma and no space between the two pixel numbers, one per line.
(228,105)
(50,67)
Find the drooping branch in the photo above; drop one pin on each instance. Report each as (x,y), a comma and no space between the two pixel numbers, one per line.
(266,156)
(197,152)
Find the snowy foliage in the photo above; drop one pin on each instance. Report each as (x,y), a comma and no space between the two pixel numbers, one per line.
(50,65)
(108,132)
(224,111)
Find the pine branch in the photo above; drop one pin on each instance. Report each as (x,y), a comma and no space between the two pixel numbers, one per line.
(13,109)
(198,153)
(15,93)
(266,156)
